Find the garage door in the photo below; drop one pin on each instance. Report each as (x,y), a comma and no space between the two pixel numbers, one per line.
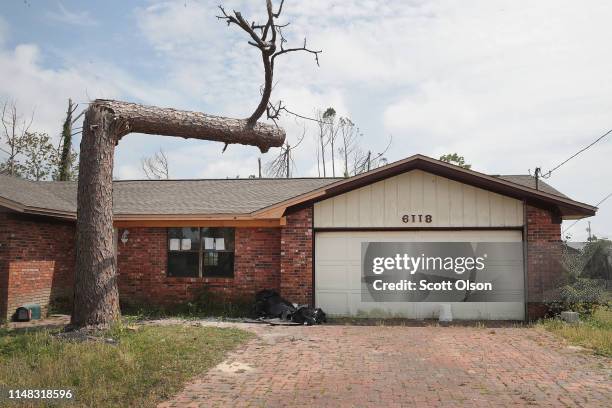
(338,276)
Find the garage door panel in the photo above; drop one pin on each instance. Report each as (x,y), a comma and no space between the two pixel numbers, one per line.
(336,302)
(338,275)
(334,275)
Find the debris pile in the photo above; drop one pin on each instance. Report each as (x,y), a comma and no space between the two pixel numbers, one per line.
(270,305)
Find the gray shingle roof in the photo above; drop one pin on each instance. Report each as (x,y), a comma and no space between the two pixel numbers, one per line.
(167,197)
(529,181)
(175,197)
(37,194)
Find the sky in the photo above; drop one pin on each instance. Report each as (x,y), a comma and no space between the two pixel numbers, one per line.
(510,85)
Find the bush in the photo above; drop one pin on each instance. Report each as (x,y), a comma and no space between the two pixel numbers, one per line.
(583,296)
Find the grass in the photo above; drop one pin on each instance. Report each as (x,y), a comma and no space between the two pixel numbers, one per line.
(594,332)
(205,305)
(146,365)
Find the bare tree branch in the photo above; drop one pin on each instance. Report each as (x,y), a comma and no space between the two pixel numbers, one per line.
(267,41)
(282,164)
(156,167)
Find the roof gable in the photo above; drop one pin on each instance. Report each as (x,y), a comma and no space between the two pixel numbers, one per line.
(544,196)
(261,198)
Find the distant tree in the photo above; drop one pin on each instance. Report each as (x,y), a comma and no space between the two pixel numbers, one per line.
(156,167)
(14,130)
(39,156)
(283,163)
(349,134)
(454,158)
(323,139)
(329,116)
(599,262)
(67,166)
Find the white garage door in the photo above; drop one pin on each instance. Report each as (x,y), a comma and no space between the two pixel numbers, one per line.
(338,276)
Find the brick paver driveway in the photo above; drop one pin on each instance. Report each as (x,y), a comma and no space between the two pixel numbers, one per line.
(402,366)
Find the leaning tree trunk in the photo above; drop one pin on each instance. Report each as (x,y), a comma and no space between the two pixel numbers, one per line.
(96,298)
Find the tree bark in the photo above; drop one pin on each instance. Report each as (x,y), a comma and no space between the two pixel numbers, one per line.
(96,297)
(138,118)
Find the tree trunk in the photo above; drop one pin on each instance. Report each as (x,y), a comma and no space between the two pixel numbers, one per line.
(195,125)
(96,297)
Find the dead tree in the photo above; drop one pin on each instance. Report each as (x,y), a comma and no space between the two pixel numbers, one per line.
(96,297)
(282,164)
(156,167)
(14,132)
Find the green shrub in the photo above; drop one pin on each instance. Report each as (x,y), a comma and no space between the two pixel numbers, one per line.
(583,296)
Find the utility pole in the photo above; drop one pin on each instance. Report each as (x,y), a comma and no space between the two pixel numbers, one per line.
(288,152)
(589,231)
(369,154)
(259,165)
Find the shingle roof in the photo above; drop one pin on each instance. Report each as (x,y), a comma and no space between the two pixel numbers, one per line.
(529,181)
(186,197)
(167,197)
(37,195)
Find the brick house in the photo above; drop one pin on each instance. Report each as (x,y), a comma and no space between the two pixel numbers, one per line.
(299,236)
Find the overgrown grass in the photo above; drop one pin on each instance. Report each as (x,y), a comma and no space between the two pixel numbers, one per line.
(594,332)
(204,305)
(148,364)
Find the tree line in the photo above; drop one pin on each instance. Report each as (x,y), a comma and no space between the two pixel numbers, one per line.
(31,154)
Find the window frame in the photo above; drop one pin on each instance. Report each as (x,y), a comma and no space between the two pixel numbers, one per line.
(201,252)
(198,251)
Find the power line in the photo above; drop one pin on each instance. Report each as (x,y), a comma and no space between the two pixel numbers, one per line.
(577,221)
(547,174)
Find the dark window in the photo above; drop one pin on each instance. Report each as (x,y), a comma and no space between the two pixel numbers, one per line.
(218,252)
(184,252)
(194,252)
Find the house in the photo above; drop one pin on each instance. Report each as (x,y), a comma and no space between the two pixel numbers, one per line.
(300,236)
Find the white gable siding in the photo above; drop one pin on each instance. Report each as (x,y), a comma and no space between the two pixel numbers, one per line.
(450,203)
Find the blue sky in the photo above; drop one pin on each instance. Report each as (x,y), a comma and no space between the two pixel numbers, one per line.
(510,85)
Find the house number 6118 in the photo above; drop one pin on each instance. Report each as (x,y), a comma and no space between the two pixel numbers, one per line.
(412,218)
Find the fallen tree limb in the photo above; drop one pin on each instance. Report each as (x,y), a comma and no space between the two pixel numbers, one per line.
(137,118)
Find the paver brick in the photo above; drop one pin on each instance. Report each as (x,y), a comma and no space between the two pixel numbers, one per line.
(336,366)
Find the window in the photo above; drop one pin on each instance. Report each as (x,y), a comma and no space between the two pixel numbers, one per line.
(197,252)
(218,252)
(183,252)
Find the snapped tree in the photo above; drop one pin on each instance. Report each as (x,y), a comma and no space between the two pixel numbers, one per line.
(96,297)
(66,169)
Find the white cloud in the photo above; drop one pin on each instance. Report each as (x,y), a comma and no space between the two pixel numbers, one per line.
(72,17)
(509,84)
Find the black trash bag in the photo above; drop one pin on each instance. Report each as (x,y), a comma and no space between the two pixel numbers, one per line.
(308,315)
(269,303)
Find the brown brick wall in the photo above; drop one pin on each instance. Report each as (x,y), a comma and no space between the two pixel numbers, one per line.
(296,283)
(142,267)
(4,244)
(37,261)
(543,256)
